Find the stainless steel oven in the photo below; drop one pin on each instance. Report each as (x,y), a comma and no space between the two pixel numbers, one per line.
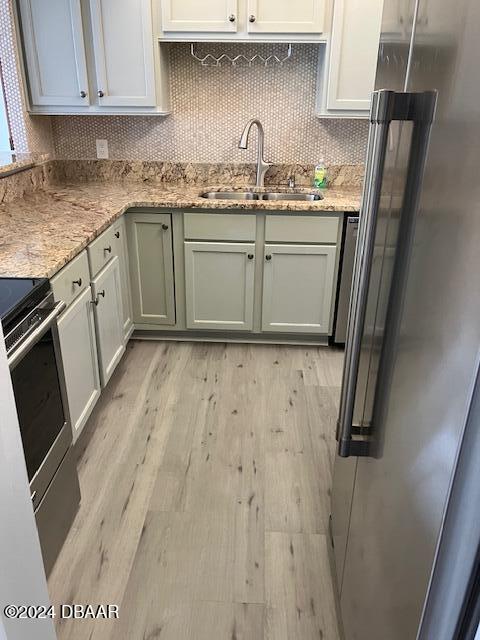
(35,362)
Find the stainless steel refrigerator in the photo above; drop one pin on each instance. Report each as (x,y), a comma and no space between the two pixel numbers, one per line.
(412,353)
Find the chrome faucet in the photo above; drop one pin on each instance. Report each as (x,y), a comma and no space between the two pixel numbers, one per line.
(262,166)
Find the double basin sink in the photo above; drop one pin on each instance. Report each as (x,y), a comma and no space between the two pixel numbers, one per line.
(269,195)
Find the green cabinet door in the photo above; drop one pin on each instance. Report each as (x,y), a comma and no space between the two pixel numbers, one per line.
(151,267)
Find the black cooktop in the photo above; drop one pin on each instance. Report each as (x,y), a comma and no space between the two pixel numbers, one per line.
(18,296)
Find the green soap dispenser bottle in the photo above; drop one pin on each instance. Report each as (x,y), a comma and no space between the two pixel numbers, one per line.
(320,178)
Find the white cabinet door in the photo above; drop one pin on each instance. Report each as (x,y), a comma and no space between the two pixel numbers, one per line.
(151,267)
(285,16)
(76,329)
(434,20)
(298,284)
(394,18)
(192,15)
(55,52)
(123,48)
(120,250)
(353,53)
(219,283)
(107,294)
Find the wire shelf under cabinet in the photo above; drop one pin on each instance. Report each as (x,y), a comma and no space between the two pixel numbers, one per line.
(240,60)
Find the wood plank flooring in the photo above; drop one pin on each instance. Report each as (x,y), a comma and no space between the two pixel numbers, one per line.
(205,473)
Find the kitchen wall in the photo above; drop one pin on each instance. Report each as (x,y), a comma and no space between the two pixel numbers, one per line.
(210,107)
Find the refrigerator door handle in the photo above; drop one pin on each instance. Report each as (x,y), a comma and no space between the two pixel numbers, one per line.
(387,106)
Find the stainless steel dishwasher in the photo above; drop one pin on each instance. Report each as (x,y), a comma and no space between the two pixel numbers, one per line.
(346,279)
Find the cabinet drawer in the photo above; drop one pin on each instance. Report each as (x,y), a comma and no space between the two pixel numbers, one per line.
(311,229)
(220,226)
(101,250)
(68,283)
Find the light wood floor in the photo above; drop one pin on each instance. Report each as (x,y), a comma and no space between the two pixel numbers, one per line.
(205,474)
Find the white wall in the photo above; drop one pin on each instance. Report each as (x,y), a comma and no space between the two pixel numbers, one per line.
(22,578)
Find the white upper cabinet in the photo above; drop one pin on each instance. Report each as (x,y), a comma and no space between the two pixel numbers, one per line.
(395,17)
(241,20)
(286,16)
(55,52)
(191,15)
(123,48)
(106,61)
(353,55)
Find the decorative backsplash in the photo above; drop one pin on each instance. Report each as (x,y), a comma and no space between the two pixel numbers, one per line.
(30,135)
(210,107)
(190,174)
(26,180)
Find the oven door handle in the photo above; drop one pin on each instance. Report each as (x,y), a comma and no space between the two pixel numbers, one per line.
(25,346)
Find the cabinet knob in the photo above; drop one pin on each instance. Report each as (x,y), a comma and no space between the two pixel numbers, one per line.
(100,93)
(231,17)
(165,227)
(79,282)
(83,94)
(250,256)
(268,257)
(109,248)
(251,18)
(117,234)
(97,299)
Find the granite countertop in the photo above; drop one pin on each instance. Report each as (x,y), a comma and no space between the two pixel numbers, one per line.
(44,230)
(12,162)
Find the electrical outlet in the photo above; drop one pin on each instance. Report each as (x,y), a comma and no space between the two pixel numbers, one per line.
(102,149)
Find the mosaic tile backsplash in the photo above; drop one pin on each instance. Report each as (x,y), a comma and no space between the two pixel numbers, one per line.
(210,107)
(30,135)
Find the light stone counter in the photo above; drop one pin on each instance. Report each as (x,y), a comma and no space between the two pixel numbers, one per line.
(43,230)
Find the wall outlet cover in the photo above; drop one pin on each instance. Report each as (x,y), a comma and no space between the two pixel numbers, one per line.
(102,149)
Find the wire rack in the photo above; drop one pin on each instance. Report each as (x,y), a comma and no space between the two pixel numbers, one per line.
(391,57)
(210,60)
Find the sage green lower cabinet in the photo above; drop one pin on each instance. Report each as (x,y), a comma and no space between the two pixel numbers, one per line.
(298,287)
(151,268)
(219,283)
(76,329)
(107,297)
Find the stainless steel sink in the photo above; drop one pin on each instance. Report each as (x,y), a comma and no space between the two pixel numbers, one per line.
(269,195)
(230,195)
(306,197)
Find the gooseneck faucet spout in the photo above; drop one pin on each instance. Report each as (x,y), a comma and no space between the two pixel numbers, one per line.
(262,166)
